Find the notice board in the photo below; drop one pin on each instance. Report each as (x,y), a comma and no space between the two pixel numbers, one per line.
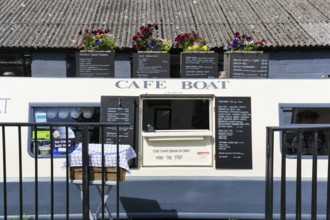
(233,133)
(249,65)
(199,65)
(95,64)
(118,109)
(151,65)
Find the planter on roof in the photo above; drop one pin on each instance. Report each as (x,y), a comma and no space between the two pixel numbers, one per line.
(151,64)
(246,64)
(199,64)
(98,64)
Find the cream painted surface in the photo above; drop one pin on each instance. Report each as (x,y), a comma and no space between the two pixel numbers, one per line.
(177,149)
(266,95)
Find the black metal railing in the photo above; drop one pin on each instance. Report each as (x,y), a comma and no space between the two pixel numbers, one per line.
(18,131)
(297,155)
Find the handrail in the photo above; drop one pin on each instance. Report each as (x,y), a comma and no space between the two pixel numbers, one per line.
(85,161)
(270,163)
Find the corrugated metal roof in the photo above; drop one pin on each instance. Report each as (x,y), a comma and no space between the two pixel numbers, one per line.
(55,24)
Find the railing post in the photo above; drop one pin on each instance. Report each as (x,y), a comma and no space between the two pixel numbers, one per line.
(314,176)
(4,172)
(283,177)
(328,177)
(298,177)
(269,175)
(85,170)
(117,197)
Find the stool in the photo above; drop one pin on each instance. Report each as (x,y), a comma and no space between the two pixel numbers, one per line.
(98,184)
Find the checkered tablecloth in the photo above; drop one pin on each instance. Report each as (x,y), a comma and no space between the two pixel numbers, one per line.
(126,152)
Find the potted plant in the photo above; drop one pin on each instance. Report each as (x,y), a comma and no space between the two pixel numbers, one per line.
(243,59)
(152,59)
(191,42)
(95,55)
(196,59)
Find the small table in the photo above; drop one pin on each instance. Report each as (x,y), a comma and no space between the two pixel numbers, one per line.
(98,184)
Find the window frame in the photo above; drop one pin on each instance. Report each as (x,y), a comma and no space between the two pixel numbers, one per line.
(167,132)
(285,107)
(31,112)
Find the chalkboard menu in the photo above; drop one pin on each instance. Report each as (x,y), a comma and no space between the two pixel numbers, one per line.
(199,65)
(248,65)
(95,64)
(233,133)
(117,109)
(151,65)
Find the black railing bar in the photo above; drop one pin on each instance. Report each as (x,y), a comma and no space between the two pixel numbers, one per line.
(4,173)
(283,178)
(56,124)
(269,175)
(67,173)
(314,176)
(103,172)
(36,172)
(298,177)
(20,172)
(300,127)
(85,169)
(118,170)
(51,176)
(328,182)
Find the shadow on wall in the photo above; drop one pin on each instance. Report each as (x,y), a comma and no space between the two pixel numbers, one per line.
(136,207)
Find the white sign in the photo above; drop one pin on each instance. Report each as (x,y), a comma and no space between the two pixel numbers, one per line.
(164,152)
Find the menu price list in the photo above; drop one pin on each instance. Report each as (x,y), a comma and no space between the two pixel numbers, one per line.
(151,65)
(249,65)
(116,110)
(95,64)
(199,65)
(234,145)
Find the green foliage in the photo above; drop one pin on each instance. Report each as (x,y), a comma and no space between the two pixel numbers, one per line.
(25,217)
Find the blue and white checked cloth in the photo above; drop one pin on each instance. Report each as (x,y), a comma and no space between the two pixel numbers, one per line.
(126,152)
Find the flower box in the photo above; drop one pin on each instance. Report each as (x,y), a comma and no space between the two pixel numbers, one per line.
(246,64)
(151,64)
(199,64)
(95,173)
(99,64)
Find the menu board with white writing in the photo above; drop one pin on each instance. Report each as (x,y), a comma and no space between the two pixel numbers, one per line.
(95,64)
(151,65)
(199,65)
(233,133)
(119,110)
(249,65)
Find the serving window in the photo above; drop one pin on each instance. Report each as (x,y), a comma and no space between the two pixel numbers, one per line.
(304,115)
(177,131)
(176,114)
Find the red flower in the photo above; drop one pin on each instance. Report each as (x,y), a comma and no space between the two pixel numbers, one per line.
(135,37)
